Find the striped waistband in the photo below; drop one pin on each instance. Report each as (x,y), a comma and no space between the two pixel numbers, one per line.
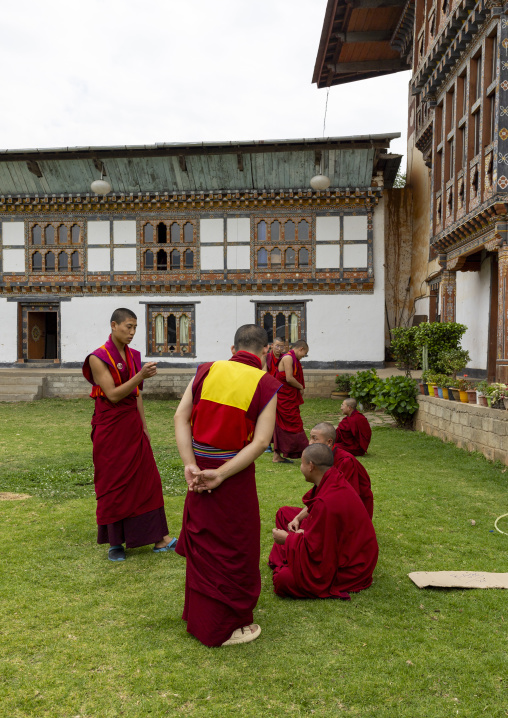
(210,452)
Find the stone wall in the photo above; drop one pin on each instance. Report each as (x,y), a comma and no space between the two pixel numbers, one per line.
(469,426)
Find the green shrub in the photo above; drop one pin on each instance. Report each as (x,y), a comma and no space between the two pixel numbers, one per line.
(343,382)
(397,396)
(406,349)
(364,387)
(453,360)
(440,337)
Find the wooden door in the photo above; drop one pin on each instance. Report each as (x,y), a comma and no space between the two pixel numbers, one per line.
(36,340)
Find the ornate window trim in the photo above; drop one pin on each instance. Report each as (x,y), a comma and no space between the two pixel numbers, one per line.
(266,238)
(158,321)
(286,309)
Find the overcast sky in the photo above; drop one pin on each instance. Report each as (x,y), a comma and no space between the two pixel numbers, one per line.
(124,72)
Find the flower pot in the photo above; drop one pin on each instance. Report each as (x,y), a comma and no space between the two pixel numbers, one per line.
(456,394)
(440,392)
(339,395)
(482,400)
(471,395)
(425,388)
(445,392)
(420,386)
(450,394)
(463,397)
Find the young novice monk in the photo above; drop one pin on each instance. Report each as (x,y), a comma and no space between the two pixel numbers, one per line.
(329,547)
(353,470)
(130,507)
(289,437)
(353,432)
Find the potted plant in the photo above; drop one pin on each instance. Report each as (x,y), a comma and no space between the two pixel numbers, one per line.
(471,392)
(481,389)
(443,382)
(425,380)
(453,361)
(342,386)
(463,386)
(498,394)
(431,383)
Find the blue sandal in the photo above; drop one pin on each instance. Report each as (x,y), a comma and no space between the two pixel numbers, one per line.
(170,547)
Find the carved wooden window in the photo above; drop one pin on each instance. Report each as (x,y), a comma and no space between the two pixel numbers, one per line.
(75,263)
(177,233)
(275,258)
(289,231)
(36,235)
(290,258)
(62,234)
(37,262)
(303,231)
(63,262)
(189,259)
(171,330)
(49,234)
(75,234)
(262,258)
(274,236)
(188,232)
(303,257)
(175,259)
(162,233)
(286,320)
(162,260)
(148,233)
(148,260)
(261,231)
(49,261)
(275,231)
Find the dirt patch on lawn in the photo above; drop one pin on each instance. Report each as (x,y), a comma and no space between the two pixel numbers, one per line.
(7,496)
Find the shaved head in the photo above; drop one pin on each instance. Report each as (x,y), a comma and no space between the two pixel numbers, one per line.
(326,429)
(251,338)
(279,340)
(300,344)
(120,315)
(350,402)
(320,454)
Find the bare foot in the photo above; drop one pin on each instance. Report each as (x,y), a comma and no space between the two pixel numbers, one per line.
(165,541)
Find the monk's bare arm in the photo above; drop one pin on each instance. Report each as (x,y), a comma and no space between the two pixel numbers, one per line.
(183,435)
(210,479)
(102,377)
(286,365)
(294,525)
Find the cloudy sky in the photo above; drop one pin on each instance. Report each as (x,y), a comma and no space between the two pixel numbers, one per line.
(124,72)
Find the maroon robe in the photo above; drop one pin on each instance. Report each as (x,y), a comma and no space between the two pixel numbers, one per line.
(127,482)
(220,535)
(353,434)
(337,551)
(289,438)
(356,475)
(272,363)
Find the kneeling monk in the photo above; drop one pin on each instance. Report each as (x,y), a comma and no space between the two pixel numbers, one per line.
(329,547)
(130,507)
(355,473)
(353,432)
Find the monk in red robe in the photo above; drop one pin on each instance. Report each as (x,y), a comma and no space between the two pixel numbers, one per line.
(130,507)
(272,365)
(289,438)
(223,423)
(355,473)
(329,548)
(353,433)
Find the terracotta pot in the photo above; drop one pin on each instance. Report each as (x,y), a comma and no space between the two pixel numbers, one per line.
(445,392)
(471,395)
(420,386)
(482,400)
(463,397)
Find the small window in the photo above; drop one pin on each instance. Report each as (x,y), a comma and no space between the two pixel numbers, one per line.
(49,234)
(75,234)
(283,319)
(268,326)
(184,333)
(171,330)
(289,231)
(189,259)
(62,234)
(162,260)
(303,257)
(175,233)
(275,231)
(261,231)
(148,233)
(162,233)
(37,235)
(303,230)
(75,264)
(159,329)
(49,262)
(276,258)
(63,262)
(175,259)
(37,262)
(290,258)
(262,258)
(149,260)
(188,232)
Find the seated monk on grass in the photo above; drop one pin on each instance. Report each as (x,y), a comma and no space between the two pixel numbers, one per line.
(354,432)
(329,547)
(353,470)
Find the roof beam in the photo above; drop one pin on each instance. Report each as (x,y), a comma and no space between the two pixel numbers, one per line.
(345,68)
(365,4)
(373,36)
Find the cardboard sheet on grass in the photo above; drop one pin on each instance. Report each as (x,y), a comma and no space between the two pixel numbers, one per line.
(459,579)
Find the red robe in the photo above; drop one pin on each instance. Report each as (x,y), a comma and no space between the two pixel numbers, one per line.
(338,550)
(353,434)
(356,475)
(289,438)
(220,535)
(126,478)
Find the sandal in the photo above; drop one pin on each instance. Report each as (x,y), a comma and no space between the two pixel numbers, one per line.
(171,546)
(243,635)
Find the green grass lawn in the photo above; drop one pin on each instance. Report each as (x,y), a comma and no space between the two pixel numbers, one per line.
(81,636)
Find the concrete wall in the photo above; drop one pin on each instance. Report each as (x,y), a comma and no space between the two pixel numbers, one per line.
(469,426)
(473,310)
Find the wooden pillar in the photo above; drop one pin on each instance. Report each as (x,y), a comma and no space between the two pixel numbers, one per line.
(448,289)
(502,317)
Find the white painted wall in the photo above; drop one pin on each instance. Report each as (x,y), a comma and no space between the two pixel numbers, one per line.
(238,229)
(14,260)
(212,258)
(124,260)
(99,259)
(355,255)
(327,256)
(124,231)
(355,227)
(472,309)
(9,333)
(327,229)
(13,233)
(238,257)
(98,232)
(211,230)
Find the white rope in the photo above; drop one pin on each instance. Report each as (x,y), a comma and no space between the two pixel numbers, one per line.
(496,526)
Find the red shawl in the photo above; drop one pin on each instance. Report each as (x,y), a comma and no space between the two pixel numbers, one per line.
(272,363)
(289,399)
(109,354)
(356,475)
(338,550)
(353,434)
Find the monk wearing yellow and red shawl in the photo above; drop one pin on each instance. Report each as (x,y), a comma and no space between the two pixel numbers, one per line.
(329,547)
(289,438)
(349,466)
(353,433)
(223,423)
(130,507)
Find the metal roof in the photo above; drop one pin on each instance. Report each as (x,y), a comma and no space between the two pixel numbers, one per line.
(270,164)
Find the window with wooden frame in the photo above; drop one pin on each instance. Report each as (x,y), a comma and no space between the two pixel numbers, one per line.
(61,233)
(181,255)
(278,244)
(286,320)
(171,330)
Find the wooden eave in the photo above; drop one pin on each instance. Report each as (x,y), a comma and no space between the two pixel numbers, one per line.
(362,39)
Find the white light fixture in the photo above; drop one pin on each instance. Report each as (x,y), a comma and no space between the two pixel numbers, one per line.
(320,182)
(100,186)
